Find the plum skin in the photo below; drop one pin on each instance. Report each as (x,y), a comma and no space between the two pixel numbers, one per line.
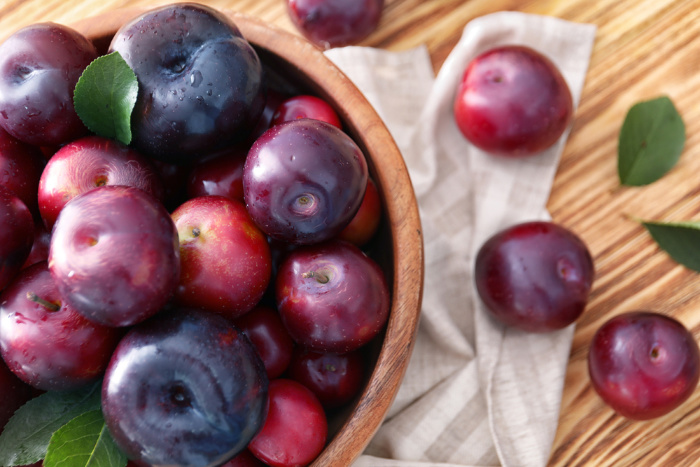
(295,429)
(334,378)
(50,350)
(264,328)
(643,364)
(304,181)
(200,92)
(305,106)
(226,264)
(334,23)
(184,388)
(39,67)
(114,255)
(87,163)
(332,297)
(512,101)
(535,276)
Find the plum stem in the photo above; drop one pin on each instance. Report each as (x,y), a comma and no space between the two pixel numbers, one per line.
(320,277)
(45,303)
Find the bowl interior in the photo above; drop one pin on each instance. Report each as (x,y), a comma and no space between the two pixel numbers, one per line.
(290,60)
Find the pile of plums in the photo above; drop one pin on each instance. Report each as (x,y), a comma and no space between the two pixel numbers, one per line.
(211,273)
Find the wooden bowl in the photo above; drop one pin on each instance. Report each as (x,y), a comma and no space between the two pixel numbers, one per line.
(399,244)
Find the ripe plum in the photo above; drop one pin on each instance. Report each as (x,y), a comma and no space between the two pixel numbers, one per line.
(303,181)
(643,364)
(39,67)
(334,23)
(535,276)
(512,101)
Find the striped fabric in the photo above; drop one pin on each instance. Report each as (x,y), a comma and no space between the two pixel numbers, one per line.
(475,393)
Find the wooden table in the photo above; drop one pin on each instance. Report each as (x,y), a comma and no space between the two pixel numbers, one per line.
(643,49)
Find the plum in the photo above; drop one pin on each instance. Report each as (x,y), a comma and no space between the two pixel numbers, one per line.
(44,340)
(203,89)
(332,297)
(643,364)
(39,68)
(334,23)
(114,255)
(184,388)
(264,328)
(295,428)
(90,162)
(304,180)
(305,106)
(535,276)
(334,378)
(512,101)
(225,259)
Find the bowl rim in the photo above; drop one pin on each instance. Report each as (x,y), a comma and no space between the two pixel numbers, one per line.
(400,202)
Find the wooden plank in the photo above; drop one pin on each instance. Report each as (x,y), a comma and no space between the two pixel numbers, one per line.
(643,49)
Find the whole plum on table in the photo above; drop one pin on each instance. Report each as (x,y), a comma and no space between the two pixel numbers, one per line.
(303,181)
(643,364)
(203,89)
(39,67)
(535,276)
(114,255)
(334,23)
(512,101)
(184,388)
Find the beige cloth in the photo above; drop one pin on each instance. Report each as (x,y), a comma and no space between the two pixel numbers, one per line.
(475,393)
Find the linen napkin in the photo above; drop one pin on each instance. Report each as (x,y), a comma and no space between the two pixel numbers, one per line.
(475,393)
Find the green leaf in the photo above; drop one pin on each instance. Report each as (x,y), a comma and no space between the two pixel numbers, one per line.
(105,96)
(85,441)
(27,434)
(681,240)
(651,142)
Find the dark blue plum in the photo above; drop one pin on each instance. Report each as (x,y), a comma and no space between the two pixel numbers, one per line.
(303,181)
(185,388)
(201,83)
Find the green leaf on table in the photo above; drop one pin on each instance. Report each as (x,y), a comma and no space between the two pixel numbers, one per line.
(27,434)
(85,441)
(651,142)
(681,240)
(105,96)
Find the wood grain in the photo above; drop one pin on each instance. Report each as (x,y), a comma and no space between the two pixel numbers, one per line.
(643,49)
